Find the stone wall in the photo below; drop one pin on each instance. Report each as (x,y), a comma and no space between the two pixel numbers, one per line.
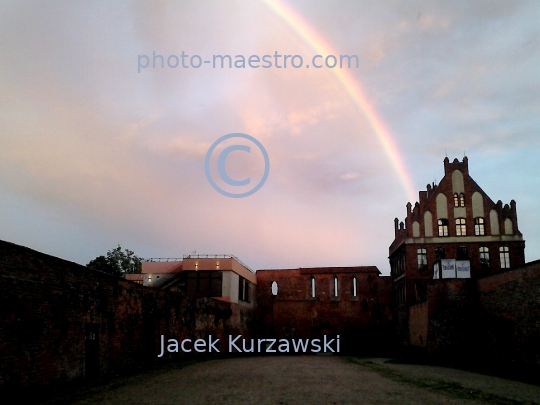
(48,307)
(510,315)
(362,321)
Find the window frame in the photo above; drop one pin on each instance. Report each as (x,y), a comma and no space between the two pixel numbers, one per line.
(461,227)
(504,257)
(442,225)
(421,257)
(479,226)
(483,254)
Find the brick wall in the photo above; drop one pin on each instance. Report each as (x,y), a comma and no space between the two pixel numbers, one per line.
(363,322)
(47,303)
(510,315)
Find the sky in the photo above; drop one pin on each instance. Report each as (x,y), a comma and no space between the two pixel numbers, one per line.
(97,150)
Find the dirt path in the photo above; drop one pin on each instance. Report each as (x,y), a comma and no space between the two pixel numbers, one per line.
(315,380)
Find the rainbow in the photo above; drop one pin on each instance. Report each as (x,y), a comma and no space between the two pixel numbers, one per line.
(351,86)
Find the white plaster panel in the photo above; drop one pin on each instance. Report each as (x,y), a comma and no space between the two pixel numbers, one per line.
(428,224)
(416,229)
(477,205)
(457,182)
(442,206)
(508,227)
(494,222)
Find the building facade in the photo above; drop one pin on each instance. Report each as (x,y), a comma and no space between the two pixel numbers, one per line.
(352,302)
(455,231)
(222,277)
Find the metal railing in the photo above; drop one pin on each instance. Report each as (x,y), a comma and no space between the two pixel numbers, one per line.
(199,256)
(223,256)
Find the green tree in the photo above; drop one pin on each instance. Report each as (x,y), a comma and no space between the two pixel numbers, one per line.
(117,262)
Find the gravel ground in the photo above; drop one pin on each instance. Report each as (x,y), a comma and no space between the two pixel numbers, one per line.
(314,380)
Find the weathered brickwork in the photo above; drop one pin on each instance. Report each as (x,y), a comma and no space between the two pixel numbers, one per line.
(510,315)
(47,304)
(363,321)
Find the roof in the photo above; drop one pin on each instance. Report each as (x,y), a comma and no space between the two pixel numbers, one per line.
(161,267)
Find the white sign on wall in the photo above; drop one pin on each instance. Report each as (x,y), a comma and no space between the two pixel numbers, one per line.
(463,268)
(448,268)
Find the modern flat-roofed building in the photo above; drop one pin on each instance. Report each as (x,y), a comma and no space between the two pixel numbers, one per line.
(223,277)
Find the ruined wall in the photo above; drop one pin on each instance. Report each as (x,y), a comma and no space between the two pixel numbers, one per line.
(418,324)
(48,305)
(362,321)
(510,315)
(453,318)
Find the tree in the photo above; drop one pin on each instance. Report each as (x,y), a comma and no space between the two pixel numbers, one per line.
(117,263)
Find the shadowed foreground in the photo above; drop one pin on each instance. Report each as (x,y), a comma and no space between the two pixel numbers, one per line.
(316,380)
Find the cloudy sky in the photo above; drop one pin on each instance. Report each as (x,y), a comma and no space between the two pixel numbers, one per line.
(94,153)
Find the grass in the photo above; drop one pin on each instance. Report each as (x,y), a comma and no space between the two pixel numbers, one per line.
(449,388)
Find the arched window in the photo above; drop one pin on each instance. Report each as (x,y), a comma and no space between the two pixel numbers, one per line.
(443,227)
(504,253)
(461,228)
(462,200)
(421,255)
(456,200)
(484,256)
(274,288)
(312,287)
(354,287)
(479,228)
(365,305)
(336,291)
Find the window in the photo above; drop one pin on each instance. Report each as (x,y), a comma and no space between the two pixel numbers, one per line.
(461,228)
(462,200)
(504,253)
(484,256)
(443,227)
(274,288)
(336,292)
(479,229)
(312,287)
(354,287)
(462,253)
(421,254)
(243,290)
(440,253)
(202,283)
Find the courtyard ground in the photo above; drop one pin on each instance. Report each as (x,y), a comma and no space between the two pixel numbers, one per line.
(312,380)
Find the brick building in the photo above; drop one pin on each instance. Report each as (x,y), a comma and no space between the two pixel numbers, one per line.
(222,277)
(353,302)
(455,231)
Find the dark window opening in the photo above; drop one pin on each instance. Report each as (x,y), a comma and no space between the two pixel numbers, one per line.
(243,289)
(440,253)
(202,283)
(421,255)
(484,257)
(462,253)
